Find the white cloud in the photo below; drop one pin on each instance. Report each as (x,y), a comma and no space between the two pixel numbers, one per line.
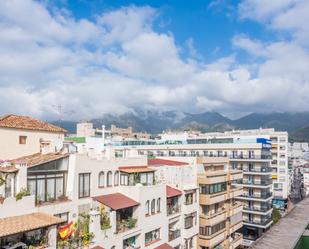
(119,62)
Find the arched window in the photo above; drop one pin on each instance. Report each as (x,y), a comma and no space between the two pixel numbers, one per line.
(101,179)
(109,179)
(147,208)
(159,205)
(153,206)
(116,178)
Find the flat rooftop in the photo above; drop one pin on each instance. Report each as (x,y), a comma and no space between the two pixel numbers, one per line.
(286,233)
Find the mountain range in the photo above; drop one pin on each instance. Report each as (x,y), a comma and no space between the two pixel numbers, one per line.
(297,124)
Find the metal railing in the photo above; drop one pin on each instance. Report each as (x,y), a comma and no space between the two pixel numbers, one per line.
(262,196)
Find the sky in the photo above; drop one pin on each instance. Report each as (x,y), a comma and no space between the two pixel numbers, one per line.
(96,57)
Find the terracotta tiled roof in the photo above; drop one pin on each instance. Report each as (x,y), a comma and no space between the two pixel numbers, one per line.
(28,123)
(172,192)
(23,223)
(135,169)
(8,169)
(38,158)
(116,201)
(164,246)
(159,162)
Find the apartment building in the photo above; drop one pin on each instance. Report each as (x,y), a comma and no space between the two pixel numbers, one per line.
(86,129)
(23,135)
(252,155)
(220,212)
(128,203)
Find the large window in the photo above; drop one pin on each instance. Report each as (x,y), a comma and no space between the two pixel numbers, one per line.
(101,179)
(47,187)
(212,188)
(152,236)
(84,185)
(210,230)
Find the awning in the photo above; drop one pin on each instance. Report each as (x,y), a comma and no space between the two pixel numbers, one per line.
(172,192)
(97,247)
(28,222)
(164,246)
(116,201)
(136,169)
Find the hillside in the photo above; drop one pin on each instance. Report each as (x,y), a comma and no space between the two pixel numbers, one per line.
(297,124)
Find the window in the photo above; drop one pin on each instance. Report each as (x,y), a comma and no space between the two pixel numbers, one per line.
(109,179)
(22,139)
(189,199)
(212,188)
(205,209)
(153,206)
(210,230)
(152,236)
(159,205)
(147,208)
(116,178)
(84,185)
(189,220)
(47,187)
(101,179)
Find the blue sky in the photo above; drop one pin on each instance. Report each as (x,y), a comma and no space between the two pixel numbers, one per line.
(211,24)
(108,56)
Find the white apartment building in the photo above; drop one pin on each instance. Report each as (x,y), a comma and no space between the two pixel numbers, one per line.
(128,203)
(22,135)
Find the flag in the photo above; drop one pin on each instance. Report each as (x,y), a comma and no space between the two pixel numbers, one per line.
(66,230)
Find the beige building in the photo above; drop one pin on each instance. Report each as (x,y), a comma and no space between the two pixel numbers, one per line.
(220,213)
(22,135)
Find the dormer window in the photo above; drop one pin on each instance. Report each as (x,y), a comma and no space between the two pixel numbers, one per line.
(22,139)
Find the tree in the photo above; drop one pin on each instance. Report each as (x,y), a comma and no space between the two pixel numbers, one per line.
(276,216)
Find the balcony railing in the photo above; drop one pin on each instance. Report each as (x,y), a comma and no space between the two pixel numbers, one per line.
(262,196)
(257,208)
(262,222)
(262,169)
(173,210)
(255,182)
(262,157)
(125,225)
(172,235)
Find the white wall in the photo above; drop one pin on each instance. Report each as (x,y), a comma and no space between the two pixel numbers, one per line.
(11,149)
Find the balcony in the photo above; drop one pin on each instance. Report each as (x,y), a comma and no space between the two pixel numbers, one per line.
(173,209)
(173,234)
(257,209)
(125,225)
(258,197)
(257,171)
(263,223)
(236,240)
(256,183)
(250,158)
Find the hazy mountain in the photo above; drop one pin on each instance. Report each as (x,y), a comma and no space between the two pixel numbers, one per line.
(279,121)
(155,122)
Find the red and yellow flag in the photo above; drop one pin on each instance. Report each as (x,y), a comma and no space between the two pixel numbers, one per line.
(66,230)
